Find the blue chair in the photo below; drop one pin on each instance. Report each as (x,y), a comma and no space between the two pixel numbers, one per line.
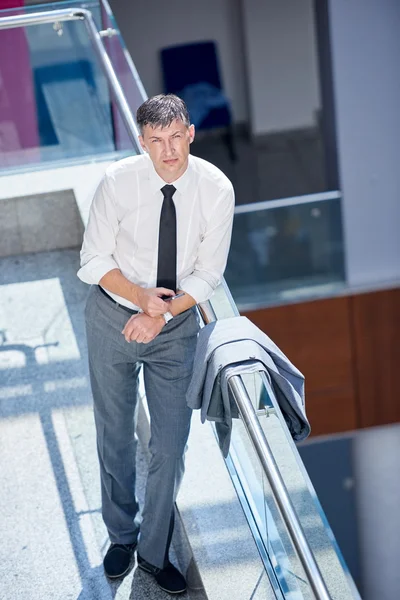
(191,71)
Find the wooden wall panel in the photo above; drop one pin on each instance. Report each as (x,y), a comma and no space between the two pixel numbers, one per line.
(376,327)
(316,337)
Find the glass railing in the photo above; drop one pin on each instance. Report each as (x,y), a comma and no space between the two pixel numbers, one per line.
(286,250)
(58,103)
(293,536)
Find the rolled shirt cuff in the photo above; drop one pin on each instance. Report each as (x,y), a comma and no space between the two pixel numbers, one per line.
(197,287)
(95,269)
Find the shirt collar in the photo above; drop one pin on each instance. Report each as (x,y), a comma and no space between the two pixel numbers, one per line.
(156,182)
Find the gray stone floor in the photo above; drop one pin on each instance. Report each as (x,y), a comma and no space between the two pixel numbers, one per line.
(52,535)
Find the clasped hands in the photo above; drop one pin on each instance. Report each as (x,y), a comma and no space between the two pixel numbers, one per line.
(145,326)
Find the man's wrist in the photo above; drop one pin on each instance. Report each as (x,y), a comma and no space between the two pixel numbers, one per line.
(161,320)
(135,294)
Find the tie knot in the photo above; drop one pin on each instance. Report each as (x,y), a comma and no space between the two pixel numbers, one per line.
(168,191)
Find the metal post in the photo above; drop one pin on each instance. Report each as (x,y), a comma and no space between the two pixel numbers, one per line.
(278,487)
(207,312)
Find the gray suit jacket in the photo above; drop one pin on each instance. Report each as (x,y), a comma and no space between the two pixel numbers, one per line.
(222,348)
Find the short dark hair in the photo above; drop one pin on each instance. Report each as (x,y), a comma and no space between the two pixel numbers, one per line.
(161,111)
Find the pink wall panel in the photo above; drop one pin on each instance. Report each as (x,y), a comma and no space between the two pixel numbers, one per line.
(18,120)
(11,3)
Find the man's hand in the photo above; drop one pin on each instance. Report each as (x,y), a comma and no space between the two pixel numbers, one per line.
(143,329)
(150,301)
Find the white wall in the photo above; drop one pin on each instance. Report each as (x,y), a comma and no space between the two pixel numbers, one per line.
(365,46)
(266,47)
(81,179)
(282,63)
(148,25)
(376,466)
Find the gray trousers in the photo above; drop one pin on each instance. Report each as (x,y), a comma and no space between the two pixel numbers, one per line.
(114,367)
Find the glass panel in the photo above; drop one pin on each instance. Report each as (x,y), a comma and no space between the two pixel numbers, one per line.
(280,556)
(286,253)
(55,101)
(285,575)
(302,495)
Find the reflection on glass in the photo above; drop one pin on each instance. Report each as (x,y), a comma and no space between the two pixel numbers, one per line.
(312,519)
(285,253)
(222,303)
(55,102)
(284,559)
(284,569)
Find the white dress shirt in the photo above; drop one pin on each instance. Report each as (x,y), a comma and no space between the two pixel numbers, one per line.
(122,231)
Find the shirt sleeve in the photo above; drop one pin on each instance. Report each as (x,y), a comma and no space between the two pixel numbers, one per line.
(100,235)
(213,251)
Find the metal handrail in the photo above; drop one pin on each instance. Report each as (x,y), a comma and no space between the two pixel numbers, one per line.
(40,18)
(281,495)
(243,401)
(82,14)
(284,202)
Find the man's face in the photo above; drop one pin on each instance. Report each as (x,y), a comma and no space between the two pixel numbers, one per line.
(168,148)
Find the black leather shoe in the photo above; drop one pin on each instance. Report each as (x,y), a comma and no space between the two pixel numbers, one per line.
(117,561)
(169,579)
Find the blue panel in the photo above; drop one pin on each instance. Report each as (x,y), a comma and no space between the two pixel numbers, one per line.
(329,465)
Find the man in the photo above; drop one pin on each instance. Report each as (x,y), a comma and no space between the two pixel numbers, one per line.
(159,225)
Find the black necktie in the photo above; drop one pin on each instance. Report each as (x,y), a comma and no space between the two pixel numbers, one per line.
(166,272)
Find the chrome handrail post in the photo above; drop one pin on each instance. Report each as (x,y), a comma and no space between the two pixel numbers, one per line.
(207,312)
